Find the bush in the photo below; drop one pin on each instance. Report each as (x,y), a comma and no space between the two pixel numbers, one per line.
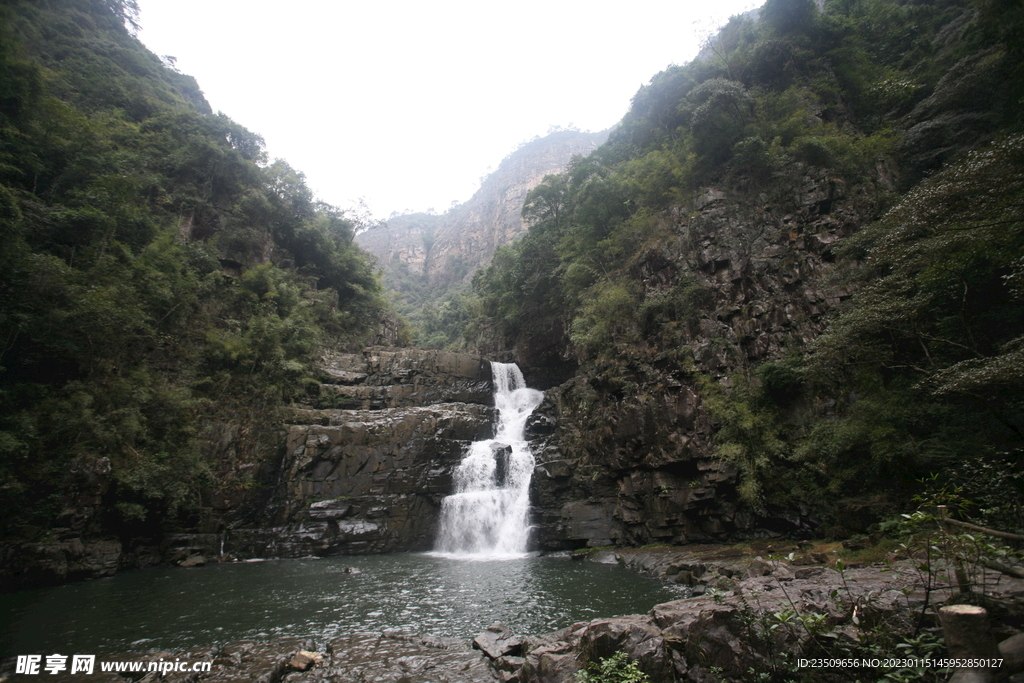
(615,669)
(780,383)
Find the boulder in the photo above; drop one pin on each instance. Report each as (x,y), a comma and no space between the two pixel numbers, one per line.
(304,660)
(498,641)
(502,454)
(193,561)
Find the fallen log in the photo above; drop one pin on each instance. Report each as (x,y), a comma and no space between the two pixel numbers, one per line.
(944,518)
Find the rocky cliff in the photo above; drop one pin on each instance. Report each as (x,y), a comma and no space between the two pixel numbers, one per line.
(370,478)
(446,249)
(626,449)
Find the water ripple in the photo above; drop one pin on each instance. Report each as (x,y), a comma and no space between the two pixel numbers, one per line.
(177,608)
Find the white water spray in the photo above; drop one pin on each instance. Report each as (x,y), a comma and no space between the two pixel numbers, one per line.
(488,515)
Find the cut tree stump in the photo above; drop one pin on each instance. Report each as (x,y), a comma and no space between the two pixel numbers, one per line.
(968,635)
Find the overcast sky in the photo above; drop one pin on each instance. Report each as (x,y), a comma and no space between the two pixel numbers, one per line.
(408,104)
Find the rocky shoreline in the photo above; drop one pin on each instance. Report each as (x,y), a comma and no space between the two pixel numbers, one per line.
(747,614)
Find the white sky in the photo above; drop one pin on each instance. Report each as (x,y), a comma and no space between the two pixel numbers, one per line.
(408,104)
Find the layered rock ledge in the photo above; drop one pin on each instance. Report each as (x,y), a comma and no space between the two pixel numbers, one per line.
(365,468)
(361,468)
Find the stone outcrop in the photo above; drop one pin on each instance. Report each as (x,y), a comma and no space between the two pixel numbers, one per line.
(366,482)
(728,632)
(77,547)
(393,378)
(57,561)
(492,217)
(498,641)
(370,477)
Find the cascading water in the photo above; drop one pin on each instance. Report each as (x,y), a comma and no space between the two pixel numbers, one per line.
(488,515)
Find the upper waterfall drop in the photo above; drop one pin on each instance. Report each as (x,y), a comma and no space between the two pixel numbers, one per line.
(488,514)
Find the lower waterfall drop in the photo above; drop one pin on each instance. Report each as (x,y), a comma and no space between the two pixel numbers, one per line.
(488,515)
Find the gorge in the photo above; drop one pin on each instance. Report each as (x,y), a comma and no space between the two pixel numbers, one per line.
(779,305)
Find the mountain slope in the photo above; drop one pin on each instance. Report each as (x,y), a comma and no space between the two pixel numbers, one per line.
(158,276)
(427,259)
(784,290)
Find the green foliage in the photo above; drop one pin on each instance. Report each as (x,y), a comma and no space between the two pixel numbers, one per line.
(752,439)
(618,668)
(783,637)
(936,307)
(718,112)
(766,100)
(781,383)
(921,368)
(788,16)
(156,272)
(605,319)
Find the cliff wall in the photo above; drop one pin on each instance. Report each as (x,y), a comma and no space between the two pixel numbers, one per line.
(448,248)
(626,448)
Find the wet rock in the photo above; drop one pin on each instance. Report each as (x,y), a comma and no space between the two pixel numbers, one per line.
(498,641)
(42,564)
(177,547)
(556,469)
(304,660)
(502,454)
(589,521)
(604,557)
(193,561)
(329,509)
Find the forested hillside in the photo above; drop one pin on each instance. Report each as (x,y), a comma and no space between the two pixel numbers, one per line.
(801,257)
(158,275)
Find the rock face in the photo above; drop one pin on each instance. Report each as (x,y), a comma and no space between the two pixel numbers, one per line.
(626,452)
(394,378)
(61,560)
(77,548)
(448,248)
(370,478)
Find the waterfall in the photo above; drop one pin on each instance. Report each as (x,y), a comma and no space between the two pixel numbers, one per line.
(488,514)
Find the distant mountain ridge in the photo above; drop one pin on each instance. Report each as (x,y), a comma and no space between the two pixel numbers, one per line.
(446,249)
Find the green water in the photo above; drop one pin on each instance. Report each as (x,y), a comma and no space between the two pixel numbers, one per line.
(175,608)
